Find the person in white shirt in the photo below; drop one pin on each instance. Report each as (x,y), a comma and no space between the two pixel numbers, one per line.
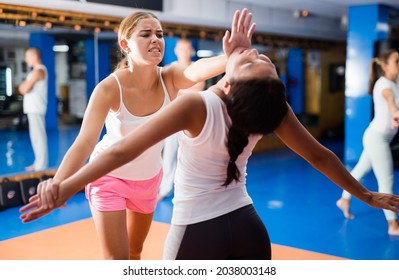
(377,155)
(34,90)
(184,51)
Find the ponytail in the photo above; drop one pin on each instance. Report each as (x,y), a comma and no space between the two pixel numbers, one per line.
(124,63)
(375,73)
(236,142)
(376,70)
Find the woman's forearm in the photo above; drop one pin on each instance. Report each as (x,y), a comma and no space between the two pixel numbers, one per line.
(331,166)
(206,68)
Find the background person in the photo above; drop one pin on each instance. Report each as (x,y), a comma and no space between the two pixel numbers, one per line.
(184,50)
(377,155)
(34,89)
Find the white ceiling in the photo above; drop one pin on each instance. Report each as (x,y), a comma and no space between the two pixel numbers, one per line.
(326,8)
(280,23)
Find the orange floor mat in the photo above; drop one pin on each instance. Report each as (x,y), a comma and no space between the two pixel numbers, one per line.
(78,241)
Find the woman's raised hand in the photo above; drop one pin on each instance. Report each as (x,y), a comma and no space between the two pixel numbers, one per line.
(241,32)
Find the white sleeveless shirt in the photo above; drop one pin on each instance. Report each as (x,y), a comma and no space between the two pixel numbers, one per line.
(35,101)
(382,117)
(202,169)
(118,124)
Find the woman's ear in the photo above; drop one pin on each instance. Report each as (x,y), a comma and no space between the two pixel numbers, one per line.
(124,46)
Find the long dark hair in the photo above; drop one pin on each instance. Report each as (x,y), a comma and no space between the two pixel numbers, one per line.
(376,70)
(255,106)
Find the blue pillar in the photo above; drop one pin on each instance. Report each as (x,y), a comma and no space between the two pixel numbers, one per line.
(90,67)
(295,80)
(45,42)
(104,62)
(102,68)
(169,55)
(362,34)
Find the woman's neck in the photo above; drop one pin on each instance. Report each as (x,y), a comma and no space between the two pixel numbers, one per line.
(391,77)
(144,76)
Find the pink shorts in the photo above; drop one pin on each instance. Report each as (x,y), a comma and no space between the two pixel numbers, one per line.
(114,194)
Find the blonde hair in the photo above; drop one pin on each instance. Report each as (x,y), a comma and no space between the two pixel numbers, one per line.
(126,29)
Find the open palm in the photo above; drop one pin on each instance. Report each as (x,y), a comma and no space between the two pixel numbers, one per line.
(241,32)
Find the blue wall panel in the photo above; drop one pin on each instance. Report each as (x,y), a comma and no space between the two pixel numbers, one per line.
(367,24)
(295,82)
(90,67)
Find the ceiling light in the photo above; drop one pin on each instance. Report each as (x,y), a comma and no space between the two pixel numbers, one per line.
(61,48)
(300,13)
(304,13)
(205,53)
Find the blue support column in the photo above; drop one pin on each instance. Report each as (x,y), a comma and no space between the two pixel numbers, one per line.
(45,42)
(169,54)
(102,68)
(90,67)
(104,62)
(362,34)
(295,81)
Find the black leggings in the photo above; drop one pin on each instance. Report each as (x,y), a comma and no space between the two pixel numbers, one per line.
(240,234)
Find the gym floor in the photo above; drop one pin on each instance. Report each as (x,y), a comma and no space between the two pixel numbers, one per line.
(296,203)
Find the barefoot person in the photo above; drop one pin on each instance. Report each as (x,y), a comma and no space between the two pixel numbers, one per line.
(213,215)
(377,155)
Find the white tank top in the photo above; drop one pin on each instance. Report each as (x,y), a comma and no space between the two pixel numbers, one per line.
(35,101)
(201,169)
(382,117)
(118,124)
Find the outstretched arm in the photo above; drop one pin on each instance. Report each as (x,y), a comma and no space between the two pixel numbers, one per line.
(186,113)
(393,109)
(82,147)
(205,68)
(395,120)
(298,139)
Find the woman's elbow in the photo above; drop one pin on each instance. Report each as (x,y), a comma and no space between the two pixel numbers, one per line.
(322,157)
